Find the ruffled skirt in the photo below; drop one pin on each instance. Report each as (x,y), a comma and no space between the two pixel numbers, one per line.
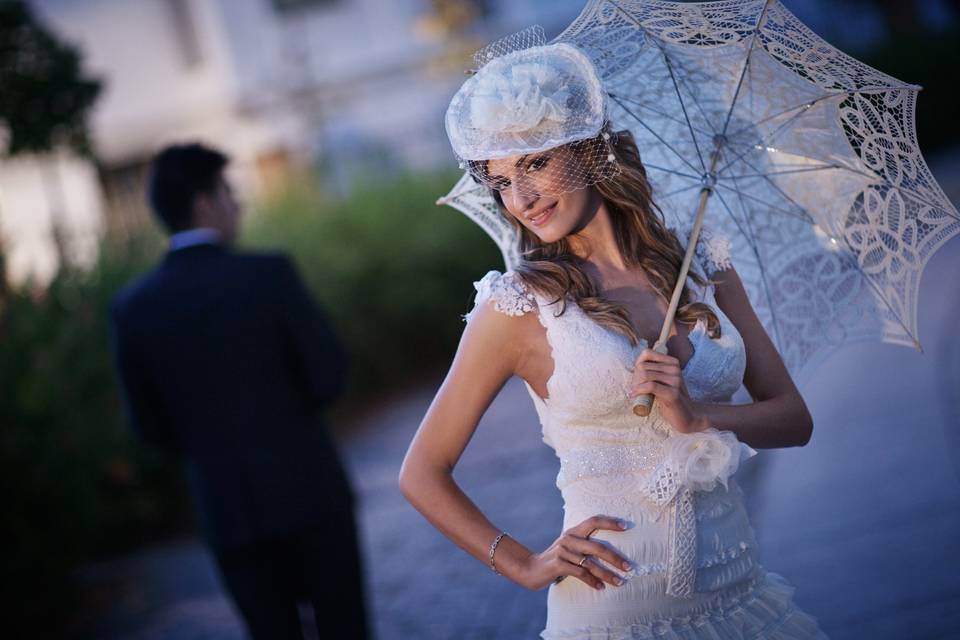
(760,608)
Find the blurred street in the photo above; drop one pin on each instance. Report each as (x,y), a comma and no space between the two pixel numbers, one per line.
(863,520)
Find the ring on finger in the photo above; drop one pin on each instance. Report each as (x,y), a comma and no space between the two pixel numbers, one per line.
(582,560)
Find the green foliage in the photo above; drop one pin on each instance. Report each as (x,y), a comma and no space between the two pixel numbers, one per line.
(45,97)
(75,484)
(392,269)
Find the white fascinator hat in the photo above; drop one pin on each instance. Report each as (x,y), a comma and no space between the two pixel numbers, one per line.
(529,100)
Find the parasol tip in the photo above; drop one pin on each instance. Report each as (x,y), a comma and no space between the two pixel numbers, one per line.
(917,346)
(441,201)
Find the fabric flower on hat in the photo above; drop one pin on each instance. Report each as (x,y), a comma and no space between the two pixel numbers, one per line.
(519,98)
(706,458)
(526,101)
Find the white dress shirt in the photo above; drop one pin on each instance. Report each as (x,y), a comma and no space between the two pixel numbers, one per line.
(191,237)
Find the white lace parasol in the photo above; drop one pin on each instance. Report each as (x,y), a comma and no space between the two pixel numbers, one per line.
(806,158)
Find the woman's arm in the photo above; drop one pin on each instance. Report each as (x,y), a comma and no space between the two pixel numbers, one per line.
(778,417)
(491,350)
(486,358)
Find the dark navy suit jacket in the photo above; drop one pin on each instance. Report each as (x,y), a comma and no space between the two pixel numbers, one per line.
(224,357)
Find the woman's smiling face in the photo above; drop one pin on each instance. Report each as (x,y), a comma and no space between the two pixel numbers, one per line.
(534,189)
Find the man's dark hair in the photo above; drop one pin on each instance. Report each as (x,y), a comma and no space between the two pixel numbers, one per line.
(178,174)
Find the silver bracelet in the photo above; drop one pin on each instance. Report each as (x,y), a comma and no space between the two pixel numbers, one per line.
(493,548)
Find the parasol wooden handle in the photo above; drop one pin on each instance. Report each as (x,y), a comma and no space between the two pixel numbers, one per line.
(643,403)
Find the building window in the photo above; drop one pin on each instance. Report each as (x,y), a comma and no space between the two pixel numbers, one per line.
(287,6)
(185,32)
(125,191)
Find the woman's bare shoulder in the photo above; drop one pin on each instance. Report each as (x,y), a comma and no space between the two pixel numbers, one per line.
(504,323)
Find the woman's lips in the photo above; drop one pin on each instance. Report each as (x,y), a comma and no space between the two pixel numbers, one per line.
(541,218)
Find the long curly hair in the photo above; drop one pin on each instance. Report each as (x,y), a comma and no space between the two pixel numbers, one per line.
(556,272)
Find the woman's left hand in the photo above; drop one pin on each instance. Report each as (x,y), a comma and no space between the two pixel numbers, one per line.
(660,375)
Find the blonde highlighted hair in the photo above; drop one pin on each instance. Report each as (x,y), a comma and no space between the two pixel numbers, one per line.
(554,271)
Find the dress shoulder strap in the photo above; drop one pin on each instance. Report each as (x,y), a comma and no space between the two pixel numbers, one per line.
(507,291)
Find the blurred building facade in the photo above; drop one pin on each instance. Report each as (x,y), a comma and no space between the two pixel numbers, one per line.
(350,86)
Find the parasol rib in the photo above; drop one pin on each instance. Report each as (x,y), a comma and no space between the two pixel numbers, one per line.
(781,192)
(662,114)
(683,106)
(802,215)
(616,99)
(804,105)
(673,80)
(673,171)
(752,241)
(764,141)
(746,65)
(851,258)
(784,173)
(682,189)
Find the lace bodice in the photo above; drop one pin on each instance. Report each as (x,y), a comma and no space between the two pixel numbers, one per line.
(583,371)
(610,459)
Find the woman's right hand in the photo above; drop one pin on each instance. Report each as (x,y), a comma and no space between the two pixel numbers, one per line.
(564,556)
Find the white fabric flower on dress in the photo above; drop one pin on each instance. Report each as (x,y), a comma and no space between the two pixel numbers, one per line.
(509,294)
(519,98)
(717,250)
(714,248)
(706,458)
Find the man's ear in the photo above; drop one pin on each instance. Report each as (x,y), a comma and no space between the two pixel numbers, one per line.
(201,209)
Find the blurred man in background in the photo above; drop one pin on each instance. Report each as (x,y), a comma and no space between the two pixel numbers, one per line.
(224,357)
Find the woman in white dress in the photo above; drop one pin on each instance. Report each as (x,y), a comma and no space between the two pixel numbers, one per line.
(656,540)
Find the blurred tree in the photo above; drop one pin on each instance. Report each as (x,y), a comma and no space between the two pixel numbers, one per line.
(46,96)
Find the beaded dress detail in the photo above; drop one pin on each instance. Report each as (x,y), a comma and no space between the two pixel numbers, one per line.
(695,570)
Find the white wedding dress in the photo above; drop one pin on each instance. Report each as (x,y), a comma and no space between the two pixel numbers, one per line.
(695,567)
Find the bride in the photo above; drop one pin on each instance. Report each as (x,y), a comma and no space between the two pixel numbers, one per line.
(656,540)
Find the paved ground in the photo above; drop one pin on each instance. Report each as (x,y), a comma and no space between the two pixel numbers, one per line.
(865,520)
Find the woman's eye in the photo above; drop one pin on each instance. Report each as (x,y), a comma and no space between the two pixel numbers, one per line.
(538,163)
(500,184)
